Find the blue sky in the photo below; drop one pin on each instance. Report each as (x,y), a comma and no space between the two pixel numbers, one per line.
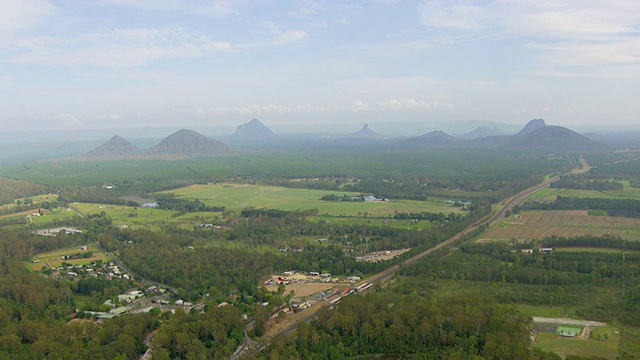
(90,64)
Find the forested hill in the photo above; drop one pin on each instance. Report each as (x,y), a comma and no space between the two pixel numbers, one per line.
(11,189)
(188,143)
(116,148)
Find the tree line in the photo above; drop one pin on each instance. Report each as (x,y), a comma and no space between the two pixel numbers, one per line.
(460,327)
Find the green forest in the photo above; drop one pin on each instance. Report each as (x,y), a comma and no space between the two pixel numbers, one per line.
(465,300)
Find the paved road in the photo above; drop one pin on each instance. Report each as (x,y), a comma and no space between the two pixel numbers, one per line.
(388,273)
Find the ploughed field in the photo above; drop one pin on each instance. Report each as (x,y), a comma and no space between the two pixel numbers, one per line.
(540,224)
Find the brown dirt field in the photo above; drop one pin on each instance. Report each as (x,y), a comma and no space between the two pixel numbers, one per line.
(304,290)
(540,224)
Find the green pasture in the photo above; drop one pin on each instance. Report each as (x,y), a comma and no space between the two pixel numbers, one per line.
(54,214)
(53,258)
(127,215)
(34,201)
(398,224)
(594,249)
(189,220)
(583,347)
(550,194)
(238,197)
(538,224)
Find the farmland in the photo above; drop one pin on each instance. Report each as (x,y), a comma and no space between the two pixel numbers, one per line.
(540,224)
(237,197)
(127,215)
(54,259)
(550,194)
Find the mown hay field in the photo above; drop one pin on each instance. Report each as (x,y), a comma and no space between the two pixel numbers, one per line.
(540,224)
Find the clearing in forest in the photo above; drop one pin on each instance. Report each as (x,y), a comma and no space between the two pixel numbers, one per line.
(540,224)
(76,255)
(238,197)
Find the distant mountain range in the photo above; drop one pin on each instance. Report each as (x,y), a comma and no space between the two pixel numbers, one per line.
(181,144)
(535,136)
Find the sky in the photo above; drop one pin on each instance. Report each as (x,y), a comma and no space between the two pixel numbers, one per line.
(96,64)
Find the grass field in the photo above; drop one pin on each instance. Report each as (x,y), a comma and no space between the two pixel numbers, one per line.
(237,197)
(593,249)
(34,200)
(52,215)
(564,347)
(541,224)
(53,258)
(584,347)
(399,224)
(550,194)
(128,215)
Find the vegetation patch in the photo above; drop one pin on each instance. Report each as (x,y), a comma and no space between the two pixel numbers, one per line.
(237,197)
(580,347)
(77,255)
(126,215)
(561,223)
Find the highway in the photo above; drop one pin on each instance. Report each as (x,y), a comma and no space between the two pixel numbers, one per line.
(488,220)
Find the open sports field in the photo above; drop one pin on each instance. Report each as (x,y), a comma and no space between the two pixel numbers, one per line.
(237,197)
(54,258)
(540,224)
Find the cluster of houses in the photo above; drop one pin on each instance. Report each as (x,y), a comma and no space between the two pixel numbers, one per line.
(56,231)
(540,250)
(108,270)
(295,277)
(374,256)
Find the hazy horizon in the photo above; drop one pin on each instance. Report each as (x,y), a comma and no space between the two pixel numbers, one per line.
(193,64)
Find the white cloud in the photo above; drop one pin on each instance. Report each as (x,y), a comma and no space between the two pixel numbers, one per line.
(306,10)
(118,48)
(21,14)
(413,104)
(69,119)
(359,105)
(453,15)
(7,82)
(290,37)
(574,38)
(207,7)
